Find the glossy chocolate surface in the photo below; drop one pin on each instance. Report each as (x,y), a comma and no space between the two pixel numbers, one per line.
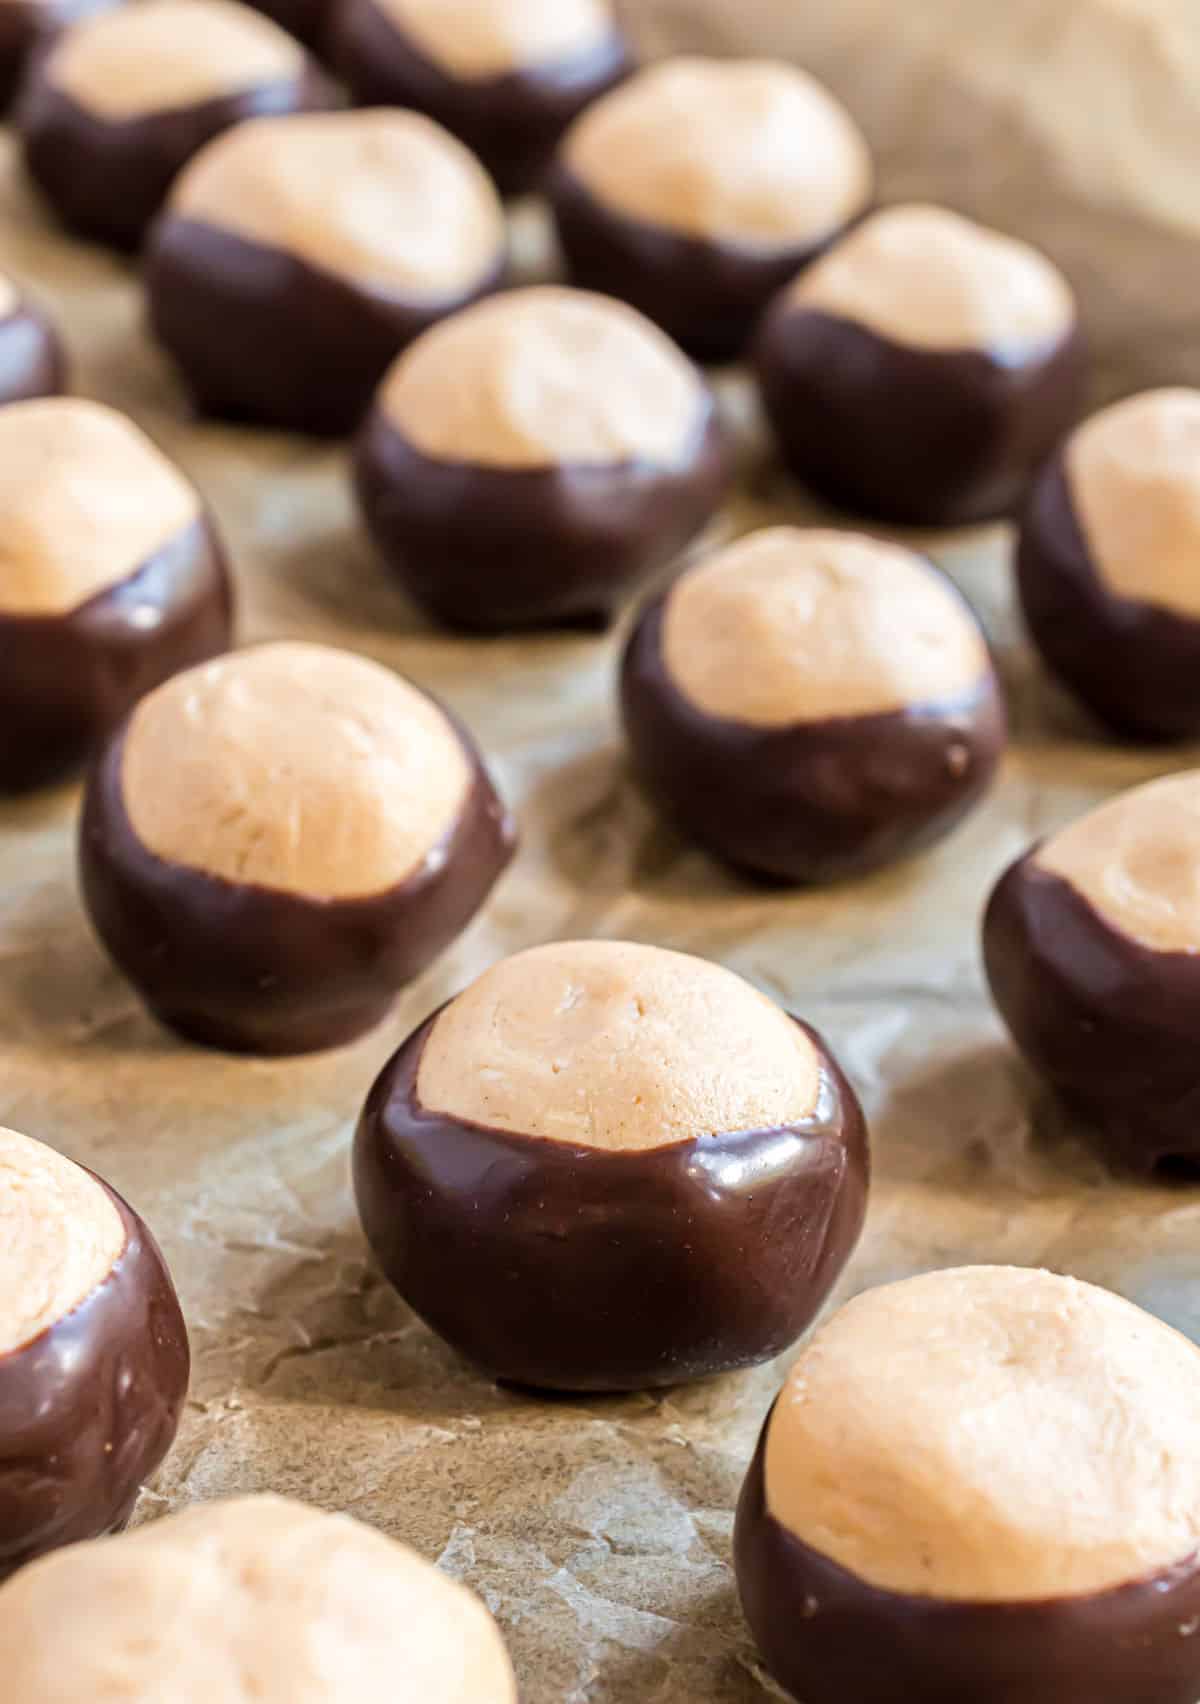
(66,680)
(32,362)
(579,1269)
(107,179)
(89,1408)
(1135,665)
(491,549)
(816,801)
(512,122)
(916,436)
(261,336)
(256,970)
(1109,1023)
(709,296)
(829,1637)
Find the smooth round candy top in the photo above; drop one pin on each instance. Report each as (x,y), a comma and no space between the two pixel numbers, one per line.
(794,625)
(60,1237)
(294,767)
(929,279)
(252,1599)
(747,152)
(478,39)
(1134,477)
(992,1435)
(1136,860)
(166,55)
(541,377)
(87,500)
(606,1044)
(385,199)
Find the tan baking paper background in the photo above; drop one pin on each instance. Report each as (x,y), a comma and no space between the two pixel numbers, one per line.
(598,1531)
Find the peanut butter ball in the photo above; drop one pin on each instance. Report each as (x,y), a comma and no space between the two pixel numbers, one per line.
(505,76)
(531,459)
(1092,945)
(254,1597)
(274,844)
(701,187)
(922,370)
(297,256)
(122,101)
(1109,565)
(607,1166)
(114,578)
(93,1356)
(980,1484)
(809,704)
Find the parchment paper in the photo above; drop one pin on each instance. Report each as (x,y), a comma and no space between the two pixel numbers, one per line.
(598,1530)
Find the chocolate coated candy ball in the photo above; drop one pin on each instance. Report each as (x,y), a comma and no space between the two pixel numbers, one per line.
(118,107)
(607,1166)
(1092,942)
(980,1484)
(113,579)
(32,362)
(93,1357)
(810,704)
(701,187)
(297,256)
(26,26)
(922,370)
(527,461)
(507,76)
(273,845)
(256,1598)
(1109,565)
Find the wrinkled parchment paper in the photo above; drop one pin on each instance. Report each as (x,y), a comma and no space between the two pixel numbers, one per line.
(598,1531)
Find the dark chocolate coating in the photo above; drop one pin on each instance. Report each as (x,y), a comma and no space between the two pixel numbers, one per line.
(257,970)
(261,336)
(108,178)
(1109,1023)
(89,1408)
(307,20)
(1135,665)
(67,680)
(708,295)
(513,121)
(816,801)
(491,549)
(829,1637)
(32,362)
(575,1269)
(916,436)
